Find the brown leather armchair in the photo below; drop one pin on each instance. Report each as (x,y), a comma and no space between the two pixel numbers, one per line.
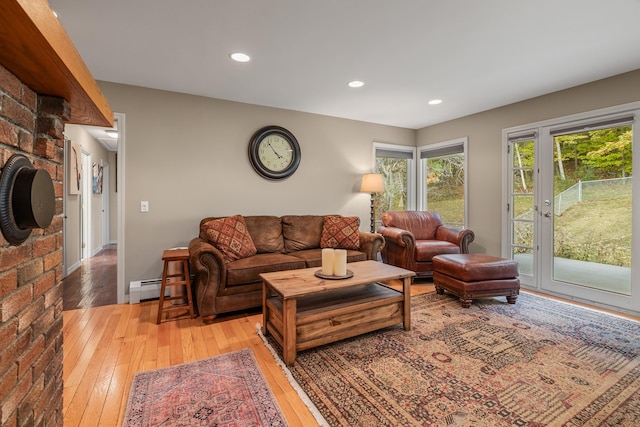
(413,238)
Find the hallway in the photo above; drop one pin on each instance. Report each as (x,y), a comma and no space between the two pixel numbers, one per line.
(94,283)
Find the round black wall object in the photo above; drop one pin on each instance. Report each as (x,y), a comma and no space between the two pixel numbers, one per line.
(27,199)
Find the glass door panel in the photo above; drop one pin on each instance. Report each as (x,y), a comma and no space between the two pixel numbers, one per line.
(522,206)
(592,209)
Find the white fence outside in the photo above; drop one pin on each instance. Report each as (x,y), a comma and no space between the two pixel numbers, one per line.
(604,189)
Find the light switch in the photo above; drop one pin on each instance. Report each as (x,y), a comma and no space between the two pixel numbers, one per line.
(144,206)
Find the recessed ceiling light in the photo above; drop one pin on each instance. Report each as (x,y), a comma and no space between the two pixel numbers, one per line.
(435,102)
(240,57)
(356,83)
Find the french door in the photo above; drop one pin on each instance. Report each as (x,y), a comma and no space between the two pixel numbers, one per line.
(570,207)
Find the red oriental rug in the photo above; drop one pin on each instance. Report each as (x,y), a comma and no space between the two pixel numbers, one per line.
(227,390)
(537,363)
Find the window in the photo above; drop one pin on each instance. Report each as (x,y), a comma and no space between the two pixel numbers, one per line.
(396,165)
(442,184)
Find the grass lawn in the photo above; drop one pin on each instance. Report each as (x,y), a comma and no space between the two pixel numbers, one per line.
(597,231)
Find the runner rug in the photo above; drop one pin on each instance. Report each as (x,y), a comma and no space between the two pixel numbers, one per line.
(226,390)
(536,363)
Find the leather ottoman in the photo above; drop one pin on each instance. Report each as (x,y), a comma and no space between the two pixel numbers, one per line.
(471,276)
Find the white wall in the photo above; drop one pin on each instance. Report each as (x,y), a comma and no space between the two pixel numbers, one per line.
(188,157)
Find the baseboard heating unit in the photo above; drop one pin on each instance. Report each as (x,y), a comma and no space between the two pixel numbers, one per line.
(140,290)
(145,289)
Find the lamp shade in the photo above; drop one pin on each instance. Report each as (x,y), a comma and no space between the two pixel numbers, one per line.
(372,183)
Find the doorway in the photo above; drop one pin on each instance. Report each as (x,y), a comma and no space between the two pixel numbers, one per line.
(105,222)
(569,207)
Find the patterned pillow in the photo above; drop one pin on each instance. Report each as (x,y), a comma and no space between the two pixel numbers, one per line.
(231,237)
(340,232)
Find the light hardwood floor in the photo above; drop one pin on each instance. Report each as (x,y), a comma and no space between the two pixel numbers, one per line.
(104,346)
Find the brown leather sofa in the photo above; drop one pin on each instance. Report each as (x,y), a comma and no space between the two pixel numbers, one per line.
(282,243)
(413,238)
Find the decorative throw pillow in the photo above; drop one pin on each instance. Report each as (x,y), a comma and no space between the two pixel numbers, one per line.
(231,237)
(341,232)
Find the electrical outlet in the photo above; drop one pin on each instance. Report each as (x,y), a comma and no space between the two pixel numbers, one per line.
(144,206)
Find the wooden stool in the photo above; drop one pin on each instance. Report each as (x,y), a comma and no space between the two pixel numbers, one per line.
(168,256)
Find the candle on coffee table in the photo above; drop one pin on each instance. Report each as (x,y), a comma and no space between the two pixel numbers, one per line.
(340,262)
(327,261)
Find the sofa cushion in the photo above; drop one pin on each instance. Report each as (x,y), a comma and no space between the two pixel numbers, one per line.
(266,232)
(301,232)
(230,236)
(340,232)
(248,270)
(427,249)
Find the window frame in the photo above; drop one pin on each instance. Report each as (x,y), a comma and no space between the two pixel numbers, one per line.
(411,167)
(422,172)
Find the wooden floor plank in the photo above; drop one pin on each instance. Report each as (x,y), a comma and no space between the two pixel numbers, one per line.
(86,344)
(76,337)
(150,357)
(175,346)
(83,375)
(104,365)
(117,396)
(199,344)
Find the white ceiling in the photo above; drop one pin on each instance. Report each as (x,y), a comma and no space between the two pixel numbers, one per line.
(473,54)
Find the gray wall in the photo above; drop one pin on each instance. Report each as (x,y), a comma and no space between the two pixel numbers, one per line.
(484,131)
(187,156)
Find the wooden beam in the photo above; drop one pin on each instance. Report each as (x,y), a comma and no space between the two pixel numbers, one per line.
(35,47)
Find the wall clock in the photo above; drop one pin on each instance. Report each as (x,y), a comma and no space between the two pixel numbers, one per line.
(274,152)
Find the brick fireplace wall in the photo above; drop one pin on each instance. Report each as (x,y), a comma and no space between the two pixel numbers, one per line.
(30,274)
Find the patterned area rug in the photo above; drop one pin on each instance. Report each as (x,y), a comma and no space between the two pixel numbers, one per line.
(227,390)
(537,363)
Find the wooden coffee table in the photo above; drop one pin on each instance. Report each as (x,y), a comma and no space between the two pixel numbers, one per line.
(303,311)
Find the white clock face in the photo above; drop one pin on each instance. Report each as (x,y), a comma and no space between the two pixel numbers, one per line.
(275,153)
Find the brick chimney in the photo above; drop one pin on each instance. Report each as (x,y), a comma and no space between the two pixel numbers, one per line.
(30,273)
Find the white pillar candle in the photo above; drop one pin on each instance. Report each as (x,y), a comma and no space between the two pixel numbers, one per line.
(327,262)
(340,262)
